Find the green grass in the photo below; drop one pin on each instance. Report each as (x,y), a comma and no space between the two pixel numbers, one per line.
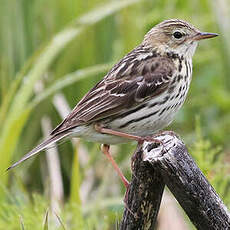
(69,45)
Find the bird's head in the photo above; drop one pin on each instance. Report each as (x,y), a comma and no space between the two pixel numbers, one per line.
(175,36)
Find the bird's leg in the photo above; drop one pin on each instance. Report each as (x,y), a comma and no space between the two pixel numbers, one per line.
(101,129)
(139,139)
(105,150)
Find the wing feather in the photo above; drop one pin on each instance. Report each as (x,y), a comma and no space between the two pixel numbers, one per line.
(146,77)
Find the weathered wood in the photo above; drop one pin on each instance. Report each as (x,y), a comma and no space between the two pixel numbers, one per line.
(187,183)
(170,163)
(143,197)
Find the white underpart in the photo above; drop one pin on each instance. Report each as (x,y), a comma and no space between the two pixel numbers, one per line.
(188,49)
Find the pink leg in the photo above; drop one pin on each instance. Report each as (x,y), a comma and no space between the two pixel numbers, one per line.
(139,139)
(105,150)
(100,129)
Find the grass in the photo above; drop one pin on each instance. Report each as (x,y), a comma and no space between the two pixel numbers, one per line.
(68,46)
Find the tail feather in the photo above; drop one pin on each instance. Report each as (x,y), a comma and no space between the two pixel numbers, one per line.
(40,147)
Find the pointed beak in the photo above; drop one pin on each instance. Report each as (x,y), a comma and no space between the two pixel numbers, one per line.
(204,35)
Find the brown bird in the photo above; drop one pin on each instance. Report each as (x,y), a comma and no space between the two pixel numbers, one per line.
(139,96)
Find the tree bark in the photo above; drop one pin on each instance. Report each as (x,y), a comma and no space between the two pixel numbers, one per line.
(143,198)
(169,162)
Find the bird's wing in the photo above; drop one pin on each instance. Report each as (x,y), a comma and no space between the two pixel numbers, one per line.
(123,88)
(135,79)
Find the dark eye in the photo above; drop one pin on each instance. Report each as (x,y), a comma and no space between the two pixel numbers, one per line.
(177,35)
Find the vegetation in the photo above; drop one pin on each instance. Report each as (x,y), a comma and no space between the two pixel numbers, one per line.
(52,53)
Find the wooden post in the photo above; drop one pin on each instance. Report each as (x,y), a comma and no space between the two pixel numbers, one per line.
(143,198)
(171,164)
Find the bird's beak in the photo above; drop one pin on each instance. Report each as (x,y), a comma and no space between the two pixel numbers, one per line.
(203,35)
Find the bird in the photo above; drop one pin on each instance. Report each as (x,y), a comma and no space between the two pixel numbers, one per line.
(139,96)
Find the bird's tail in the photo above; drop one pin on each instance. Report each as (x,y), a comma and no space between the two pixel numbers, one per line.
(46,143)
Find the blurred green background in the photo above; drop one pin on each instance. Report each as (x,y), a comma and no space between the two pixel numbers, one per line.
(51,53)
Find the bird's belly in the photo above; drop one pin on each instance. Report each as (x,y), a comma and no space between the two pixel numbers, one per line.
(143,127)
(147,123)
(157,114)
(143,123)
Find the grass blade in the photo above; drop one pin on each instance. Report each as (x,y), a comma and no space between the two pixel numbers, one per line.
(46,224)
(75,180)
(22,223)
(60,221)
(68,80)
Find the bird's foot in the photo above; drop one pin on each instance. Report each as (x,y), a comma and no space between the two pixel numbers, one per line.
(155,142)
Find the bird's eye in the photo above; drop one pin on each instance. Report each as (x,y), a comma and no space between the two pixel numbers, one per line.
(177,35)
